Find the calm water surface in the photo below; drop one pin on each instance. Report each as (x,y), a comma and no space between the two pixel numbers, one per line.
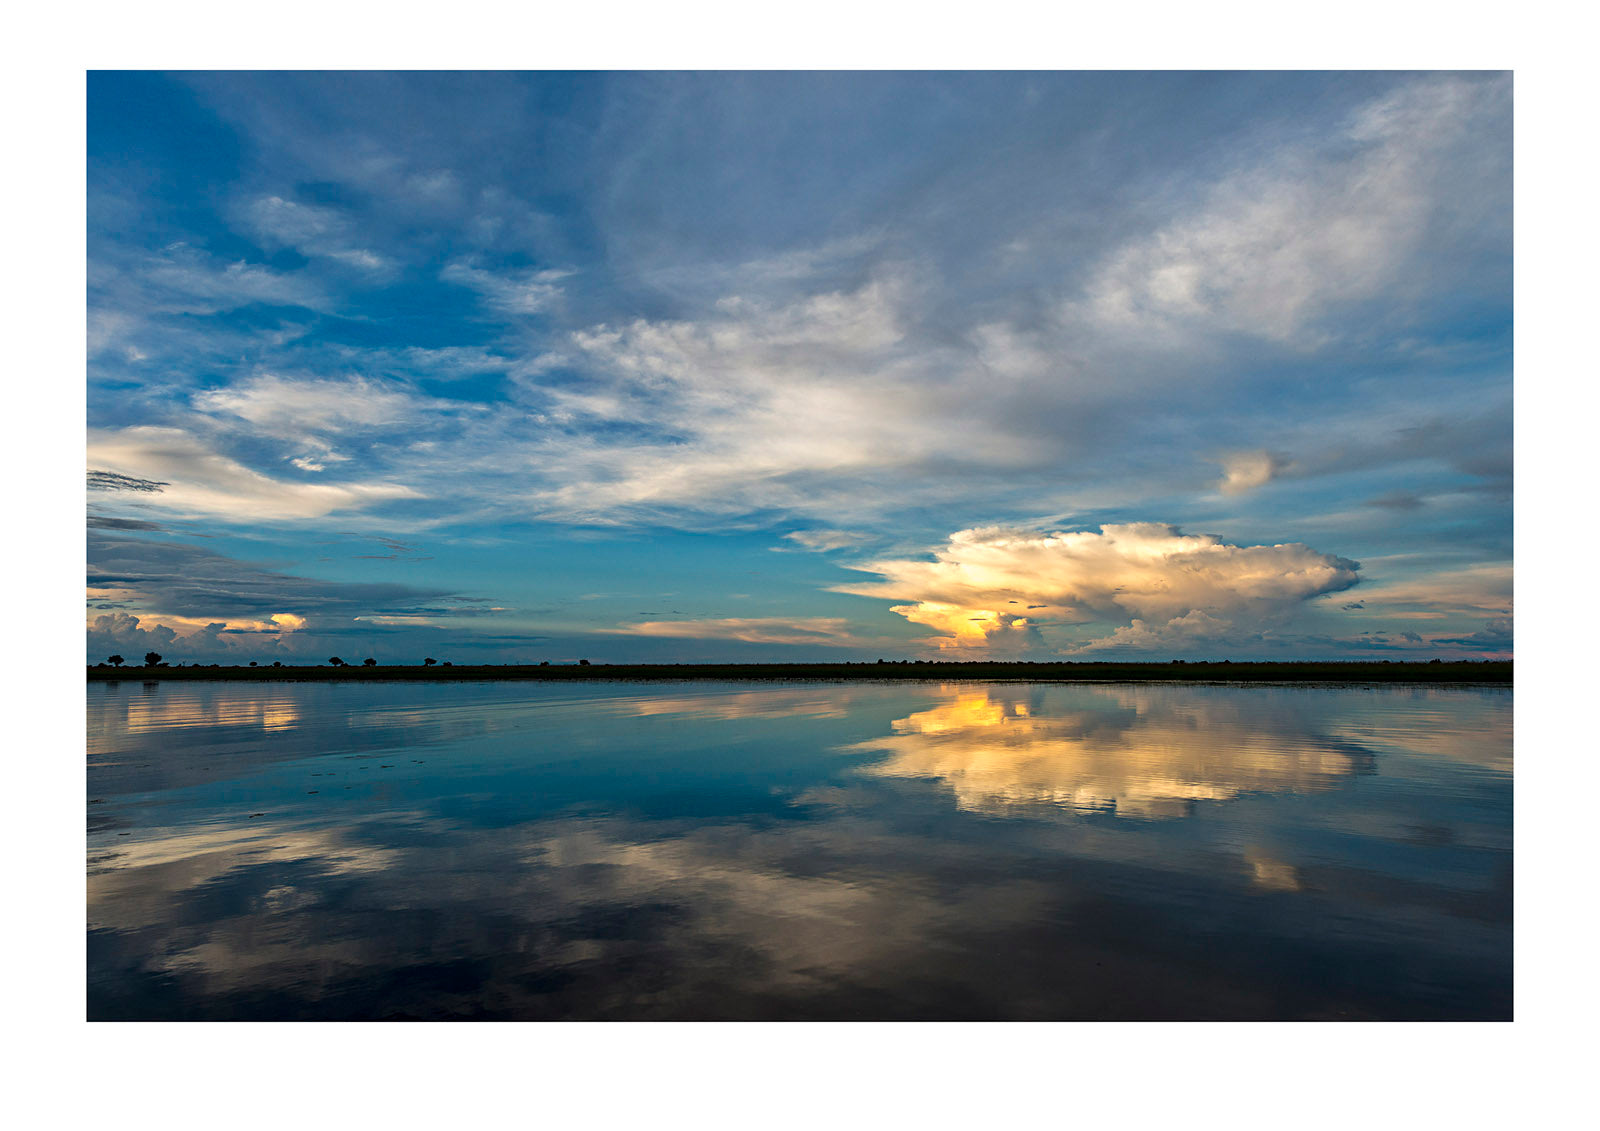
(516,850)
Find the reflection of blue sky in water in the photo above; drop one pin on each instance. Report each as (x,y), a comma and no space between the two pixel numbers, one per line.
(815,850)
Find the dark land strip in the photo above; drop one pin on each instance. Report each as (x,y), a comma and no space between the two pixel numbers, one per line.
(1177,671)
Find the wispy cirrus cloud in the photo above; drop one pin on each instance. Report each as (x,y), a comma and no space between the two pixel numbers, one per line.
(824,541)
(828,631)
(312,230)
(204,482)
(513,293)
(943,303)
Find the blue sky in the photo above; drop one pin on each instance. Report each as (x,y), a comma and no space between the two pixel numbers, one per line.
(497,367)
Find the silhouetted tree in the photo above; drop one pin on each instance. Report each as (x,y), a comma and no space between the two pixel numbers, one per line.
(583,663)
(369,662)
(252,663)
(151,659)
(277,663)
(447,664)
(544,663)
(115,661)
(336,661)
(429,662)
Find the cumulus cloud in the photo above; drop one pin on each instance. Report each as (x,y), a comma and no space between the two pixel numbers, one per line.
(114,632)
(1060,312)
(987,586)
(1245,471)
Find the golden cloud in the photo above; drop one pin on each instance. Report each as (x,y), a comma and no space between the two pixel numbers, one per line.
(991,584)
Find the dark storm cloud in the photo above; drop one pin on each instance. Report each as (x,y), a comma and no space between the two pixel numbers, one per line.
(187,581)
(103,522)
(111,481)
(1496,635)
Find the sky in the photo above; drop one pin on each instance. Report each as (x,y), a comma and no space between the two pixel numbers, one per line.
(799,366)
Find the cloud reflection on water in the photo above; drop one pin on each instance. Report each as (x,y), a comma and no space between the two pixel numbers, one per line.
(1130,751)
(496,887)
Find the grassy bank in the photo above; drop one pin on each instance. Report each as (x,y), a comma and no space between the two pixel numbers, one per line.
(1492,671)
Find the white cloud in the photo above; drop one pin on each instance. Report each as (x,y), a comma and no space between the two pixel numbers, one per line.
(1483,589)
(790,405)
(183,280)
(822,541)
(292,406)
(827,631)
(511,292)
(1245,471)
(203,482)
(987,586)
(312,230)
(1274,246)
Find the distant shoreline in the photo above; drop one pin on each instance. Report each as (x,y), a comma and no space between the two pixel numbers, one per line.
(1363,671)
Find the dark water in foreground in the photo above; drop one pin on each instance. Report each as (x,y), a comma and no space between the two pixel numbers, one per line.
(503,850)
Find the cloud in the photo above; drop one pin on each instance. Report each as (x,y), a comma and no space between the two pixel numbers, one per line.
(279,405)
(115,632)
(1274,248)
(1196,584)
(1245,471)
(101,522)
(310,413)
(828,631)
(1496,635)
(837,375)
(197,599)
(823,541)
(312,230)
(1472,590)
(509,292)
(111,481)
(203,482)
(181,279)
(957,308)
(1194,629)
(1396,501)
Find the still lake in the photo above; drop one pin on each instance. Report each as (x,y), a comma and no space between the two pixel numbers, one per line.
(817,850)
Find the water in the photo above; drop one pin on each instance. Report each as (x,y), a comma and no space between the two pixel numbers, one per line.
(517,850)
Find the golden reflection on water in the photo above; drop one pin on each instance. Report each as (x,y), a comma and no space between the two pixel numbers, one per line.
(634,855)
(114,718)
(1134,752)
